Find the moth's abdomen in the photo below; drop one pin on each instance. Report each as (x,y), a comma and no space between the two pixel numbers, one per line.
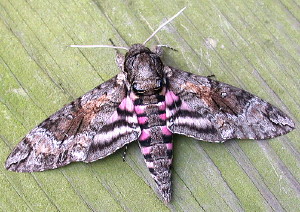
(156,141)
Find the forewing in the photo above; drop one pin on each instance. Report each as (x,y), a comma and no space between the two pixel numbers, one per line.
(89,128)
(213,111)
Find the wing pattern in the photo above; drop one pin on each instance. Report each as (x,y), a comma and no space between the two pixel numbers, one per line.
(213,111)
(89,128)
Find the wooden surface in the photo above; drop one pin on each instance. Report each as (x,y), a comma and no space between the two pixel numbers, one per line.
(250,44)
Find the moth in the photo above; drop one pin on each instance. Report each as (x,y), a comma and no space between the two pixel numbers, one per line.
(149,102)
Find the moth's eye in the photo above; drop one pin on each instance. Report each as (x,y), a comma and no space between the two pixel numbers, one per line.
(159,84)
(136,89)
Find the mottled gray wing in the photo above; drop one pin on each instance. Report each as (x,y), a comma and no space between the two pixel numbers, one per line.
(213,111)
(89,128)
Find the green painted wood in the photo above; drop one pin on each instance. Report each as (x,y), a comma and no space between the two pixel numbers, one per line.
(251,44)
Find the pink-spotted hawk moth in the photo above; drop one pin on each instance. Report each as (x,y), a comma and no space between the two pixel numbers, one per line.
(149,102)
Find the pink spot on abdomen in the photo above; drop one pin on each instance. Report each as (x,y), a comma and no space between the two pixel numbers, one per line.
(162,106)
(142,120)
(163,116)
(146,150)
(166,131)
(144,135)
(139,109)
(169,146)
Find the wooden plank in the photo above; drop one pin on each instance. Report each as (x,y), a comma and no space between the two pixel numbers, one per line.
(253,45)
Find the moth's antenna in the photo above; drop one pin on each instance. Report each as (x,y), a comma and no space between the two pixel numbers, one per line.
(164,24)
(121,47)
(99,46)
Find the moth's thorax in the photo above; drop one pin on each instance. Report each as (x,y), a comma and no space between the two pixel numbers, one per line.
(144,70)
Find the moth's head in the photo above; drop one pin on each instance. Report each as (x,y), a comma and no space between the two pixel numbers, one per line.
(144,70)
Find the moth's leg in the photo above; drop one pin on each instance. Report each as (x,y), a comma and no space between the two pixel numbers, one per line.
(120,61)
(159,49)
(120,58)
(124,153)
(211,76)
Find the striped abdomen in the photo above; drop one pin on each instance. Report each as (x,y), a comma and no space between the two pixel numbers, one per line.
(155,140)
